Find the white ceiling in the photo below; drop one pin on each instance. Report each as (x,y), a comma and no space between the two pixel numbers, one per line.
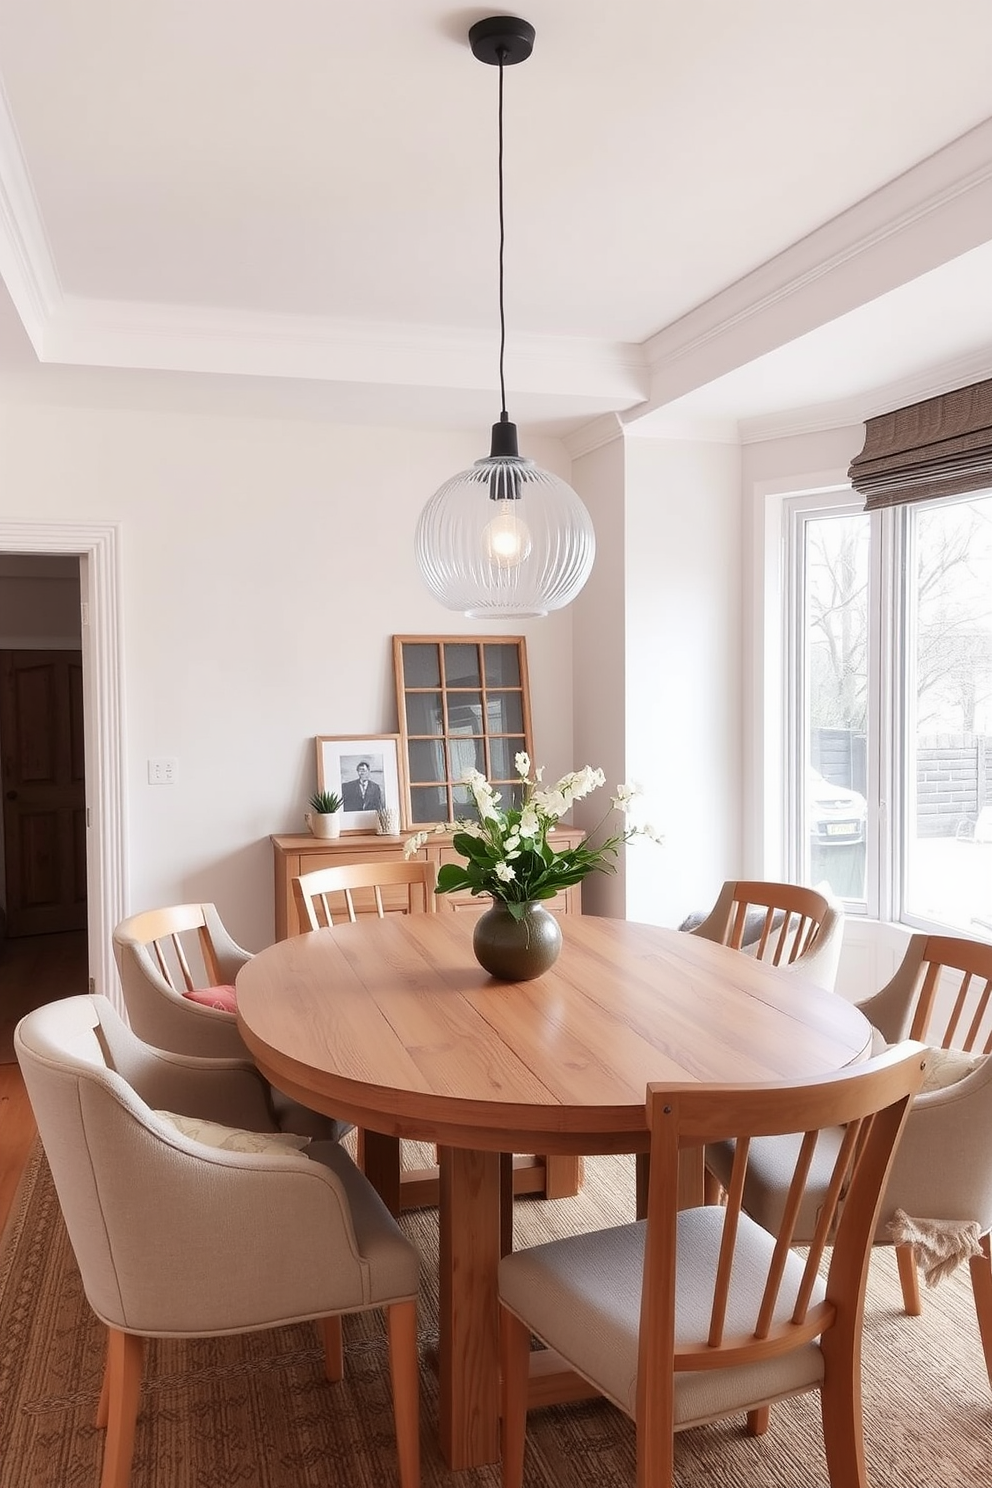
(724,216)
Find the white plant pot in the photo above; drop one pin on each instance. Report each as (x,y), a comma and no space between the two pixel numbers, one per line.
(324,823)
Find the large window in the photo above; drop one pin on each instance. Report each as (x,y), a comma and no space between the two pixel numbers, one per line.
(890,707)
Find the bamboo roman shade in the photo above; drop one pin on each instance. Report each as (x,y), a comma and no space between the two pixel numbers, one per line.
(940,447)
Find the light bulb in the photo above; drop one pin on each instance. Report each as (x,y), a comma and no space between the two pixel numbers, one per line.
(507,540)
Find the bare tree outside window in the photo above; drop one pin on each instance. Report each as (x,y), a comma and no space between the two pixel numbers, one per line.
(943,632)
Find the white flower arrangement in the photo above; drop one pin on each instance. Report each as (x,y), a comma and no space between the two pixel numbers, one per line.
(507,851)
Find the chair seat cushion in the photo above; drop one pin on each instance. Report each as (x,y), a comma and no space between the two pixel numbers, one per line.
(221,998)
(233,1139)
(582,1296)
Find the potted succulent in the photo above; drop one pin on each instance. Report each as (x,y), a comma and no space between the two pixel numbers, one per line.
(324,817)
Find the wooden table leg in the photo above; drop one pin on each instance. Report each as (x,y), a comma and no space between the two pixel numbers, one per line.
(691,1185)
(381,1163)
(468,1344)
(562,1177)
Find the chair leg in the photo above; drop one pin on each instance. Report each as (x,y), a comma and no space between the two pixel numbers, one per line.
(909,1278)
(401,1320)
(103,1406)
(514,1348)
(712,1188)
(840,1404)
(757,1420)
(125,1352)
(333,1341)
(981,1282)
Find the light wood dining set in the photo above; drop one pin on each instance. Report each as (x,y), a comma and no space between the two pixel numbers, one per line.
(765,1112)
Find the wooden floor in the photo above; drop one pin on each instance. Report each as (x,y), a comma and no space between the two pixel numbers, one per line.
(33,970)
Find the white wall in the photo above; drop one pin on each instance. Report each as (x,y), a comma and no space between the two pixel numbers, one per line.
(265,566)
(658,653)
(683,671)
(599,638)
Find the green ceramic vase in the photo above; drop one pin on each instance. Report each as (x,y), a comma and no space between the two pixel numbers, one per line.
(516,950)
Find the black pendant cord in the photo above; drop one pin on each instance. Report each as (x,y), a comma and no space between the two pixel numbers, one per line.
(502,239)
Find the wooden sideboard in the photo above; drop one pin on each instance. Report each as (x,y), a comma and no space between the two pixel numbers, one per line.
(302,853)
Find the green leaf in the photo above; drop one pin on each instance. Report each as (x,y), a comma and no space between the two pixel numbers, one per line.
(471,847)
(451,877)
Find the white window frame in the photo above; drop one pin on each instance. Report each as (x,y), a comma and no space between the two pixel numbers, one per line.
(776,728)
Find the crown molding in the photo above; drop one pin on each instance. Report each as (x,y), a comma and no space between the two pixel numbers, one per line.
(26,263)
(186,338)
(594,435)
(930,214)
(960,372)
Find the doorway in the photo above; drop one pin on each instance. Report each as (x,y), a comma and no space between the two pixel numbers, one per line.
(42,775)
(96,548)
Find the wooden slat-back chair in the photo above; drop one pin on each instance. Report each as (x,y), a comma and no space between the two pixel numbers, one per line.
(329,894)
(320,896)
(701,1313)
(941,994)
(783,923)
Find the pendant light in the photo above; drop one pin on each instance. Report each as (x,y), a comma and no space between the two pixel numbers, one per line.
(504,539)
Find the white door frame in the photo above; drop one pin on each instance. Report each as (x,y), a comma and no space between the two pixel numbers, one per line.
(97,545)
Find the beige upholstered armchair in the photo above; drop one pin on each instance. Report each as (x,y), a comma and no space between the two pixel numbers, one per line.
(159,954)
(177,1236)
(785,924)
(937,1205)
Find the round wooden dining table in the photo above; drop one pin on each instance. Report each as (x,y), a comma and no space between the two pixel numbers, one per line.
(392,1024)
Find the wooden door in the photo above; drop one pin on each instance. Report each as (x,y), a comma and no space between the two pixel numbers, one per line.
(43,784)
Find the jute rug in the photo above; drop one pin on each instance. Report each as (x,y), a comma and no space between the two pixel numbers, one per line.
(256,1412)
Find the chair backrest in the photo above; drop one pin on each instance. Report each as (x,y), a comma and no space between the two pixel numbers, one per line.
(759,1299)
(329,894)
(941,993)
(163,953)
(785,924)
(156,1219)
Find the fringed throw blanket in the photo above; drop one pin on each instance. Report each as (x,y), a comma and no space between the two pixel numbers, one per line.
(941,1244)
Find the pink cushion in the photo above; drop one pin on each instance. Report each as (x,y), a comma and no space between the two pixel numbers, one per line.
(222,998)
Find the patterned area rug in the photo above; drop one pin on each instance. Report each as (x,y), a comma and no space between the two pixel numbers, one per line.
(256,1412)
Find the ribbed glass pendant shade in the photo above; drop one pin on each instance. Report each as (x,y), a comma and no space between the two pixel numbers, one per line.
(505,540)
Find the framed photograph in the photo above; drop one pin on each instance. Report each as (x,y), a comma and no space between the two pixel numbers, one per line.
(365,771)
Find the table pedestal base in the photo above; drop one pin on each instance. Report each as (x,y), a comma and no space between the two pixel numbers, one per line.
(419,1188)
